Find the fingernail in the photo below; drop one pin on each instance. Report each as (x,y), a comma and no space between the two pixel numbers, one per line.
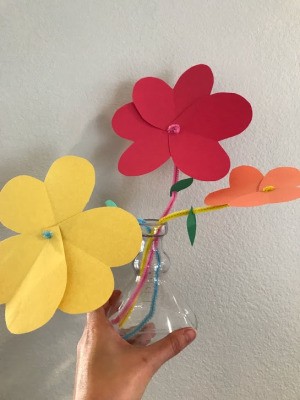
(190,335)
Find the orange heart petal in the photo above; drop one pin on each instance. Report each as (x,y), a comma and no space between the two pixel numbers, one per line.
(251,200)
(281,177)
(281,195)
(222,196)
(261,198)
(243,180)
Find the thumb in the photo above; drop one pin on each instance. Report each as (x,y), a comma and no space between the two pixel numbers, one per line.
(170,346)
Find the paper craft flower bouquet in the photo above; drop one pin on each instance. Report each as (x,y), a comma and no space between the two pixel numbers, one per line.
(61,257)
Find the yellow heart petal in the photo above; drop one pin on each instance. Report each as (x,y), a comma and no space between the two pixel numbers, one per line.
(109,234)
(90,282)
(28,205)
(25,206)
(40,293)
(69,183)
(17,255)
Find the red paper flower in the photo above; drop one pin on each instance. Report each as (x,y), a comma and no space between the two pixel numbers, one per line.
(248,187)
(185,123)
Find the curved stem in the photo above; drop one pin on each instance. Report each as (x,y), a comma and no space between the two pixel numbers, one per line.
(148,255)
(151,312)
(197,210)
(146,262)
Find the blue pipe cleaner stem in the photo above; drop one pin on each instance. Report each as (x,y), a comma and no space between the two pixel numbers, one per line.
(151,312)
(142,222)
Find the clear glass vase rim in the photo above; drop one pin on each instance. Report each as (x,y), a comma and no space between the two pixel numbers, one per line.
(154,222)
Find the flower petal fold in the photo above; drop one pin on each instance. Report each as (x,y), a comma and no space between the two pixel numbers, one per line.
(90,282)
(202,158)
(151,148)
(251,200)
(17,255)
(262,198)
(154,100)
(109,234)
(143,157)
(217,117)
(282,177)
(128,124)
(25,205)
(193,84)
(69,183)
(42,289)
(243,180)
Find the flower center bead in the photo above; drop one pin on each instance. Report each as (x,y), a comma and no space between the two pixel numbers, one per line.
(47,234)
(268,188)
(174,128)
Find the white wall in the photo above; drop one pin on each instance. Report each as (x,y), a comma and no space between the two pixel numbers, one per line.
(65,67)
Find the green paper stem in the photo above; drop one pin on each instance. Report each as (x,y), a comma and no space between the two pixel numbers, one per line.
(181,185)
(191,225)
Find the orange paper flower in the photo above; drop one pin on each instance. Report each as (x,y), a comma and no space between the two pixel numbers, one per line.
(249,187)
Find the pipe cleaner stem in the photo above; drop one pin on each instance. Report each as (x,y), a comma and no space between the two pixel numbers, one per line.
(196,210)
(152,309)
(149,316)
(129,306)
(145,266)
(177,214)
(124,312)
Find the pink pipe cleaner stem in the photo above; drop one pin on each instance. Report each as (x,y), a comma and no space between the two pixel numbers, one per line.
(145,273)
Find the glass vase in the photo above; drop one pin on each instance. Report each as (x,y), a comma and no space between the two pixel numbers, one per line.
(149,308)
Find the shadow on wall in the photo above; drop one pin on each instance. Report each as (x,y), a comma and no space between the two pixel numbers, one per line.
(103,148)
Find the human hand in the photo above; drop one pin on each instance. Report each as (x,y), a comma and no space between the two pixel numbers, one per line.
(109,368)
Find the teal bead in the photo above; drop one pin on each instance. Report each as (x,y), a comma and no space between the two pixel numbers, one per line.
(47,234)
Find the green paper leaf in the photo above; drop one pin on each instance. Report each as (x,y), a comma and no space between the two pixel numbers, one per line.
(110,203)
(191,225)
(180,185)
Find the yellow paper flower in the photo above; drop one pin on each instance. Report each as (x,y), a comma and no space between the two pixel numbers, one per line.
(62,256)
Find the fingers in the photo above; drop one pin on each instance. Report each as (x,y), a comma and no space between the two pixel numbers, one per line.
(113,303)
(170,346)
(98,317)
